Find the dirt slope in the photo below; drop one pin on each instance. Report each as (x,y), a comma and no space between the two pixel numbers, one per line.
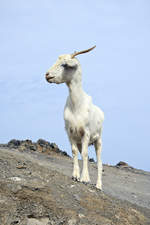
(36,189)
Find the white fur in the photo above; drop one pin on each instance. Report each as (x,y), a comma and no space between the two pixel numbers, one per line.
(83,120)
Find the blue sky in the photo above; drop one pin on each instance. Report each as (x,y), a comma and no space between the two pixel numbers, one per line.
(116,74)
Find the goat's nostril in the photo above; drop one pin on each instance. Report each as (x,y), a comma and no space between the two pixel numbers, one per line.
(47,74)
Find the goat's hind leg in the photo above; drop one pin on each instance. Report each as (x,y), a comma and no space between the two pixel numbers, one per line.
(76,168)
(98,147)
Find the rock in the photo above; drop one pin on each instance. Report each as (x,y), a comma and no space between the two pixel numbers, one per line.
(41,146)
(72,222)
(42,142)
(53,145)
(76,197)
(14,187)
(122,164)
(91,160)
(28,142)
(15,179)
(33,147)
(81,215)
(65,154)
(14,143)
(41,221)
(21,165)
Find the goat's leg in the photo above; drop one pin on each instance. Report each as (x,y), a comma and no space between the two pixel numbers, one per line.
(76,168)
(84,153)
(98,147)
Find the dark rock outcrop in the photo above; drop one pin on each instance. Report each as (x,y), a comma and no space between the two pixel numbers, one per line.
(41,146)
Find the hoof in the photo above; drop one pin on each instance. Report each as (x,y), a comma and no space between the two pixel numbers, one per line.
(84,182)
(75,179)
(99,188)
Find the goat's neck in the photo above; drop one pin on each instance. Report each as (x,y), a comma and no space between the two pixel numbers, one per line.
(76,93)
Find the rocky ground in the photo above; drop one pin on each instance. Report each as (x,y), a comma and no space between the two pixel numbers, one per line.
(36,189)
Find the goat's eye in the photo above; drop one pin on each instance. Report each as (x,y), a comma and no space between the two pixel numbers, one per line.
(68,66)
(65,65)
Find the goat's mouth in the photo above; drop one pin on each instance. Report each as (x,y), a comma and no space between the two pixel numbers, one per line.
(49,79)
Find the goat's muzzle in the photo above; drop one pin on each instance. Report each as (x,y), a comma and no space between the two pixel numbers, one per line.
(48,77)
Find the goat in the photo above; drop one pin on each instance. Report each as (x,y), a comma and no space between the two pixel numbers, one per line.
(83,120)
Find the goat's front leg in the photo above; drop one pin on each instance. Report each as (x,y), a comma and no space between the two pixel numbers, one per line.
(98,146)
(84,152)
(76,168)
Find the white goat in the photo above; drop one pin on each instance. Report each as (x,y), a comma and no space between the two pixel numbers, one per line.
(83,120)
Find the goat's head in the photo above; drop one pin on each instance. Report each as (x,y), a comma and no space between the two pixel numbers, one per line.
(65,68)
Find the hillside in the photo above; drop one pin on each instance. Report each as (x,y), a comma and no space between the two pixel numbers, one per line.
(36,189)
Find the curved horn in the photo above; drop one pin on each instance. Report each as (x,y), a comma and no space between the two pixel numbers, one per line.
(81,52)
